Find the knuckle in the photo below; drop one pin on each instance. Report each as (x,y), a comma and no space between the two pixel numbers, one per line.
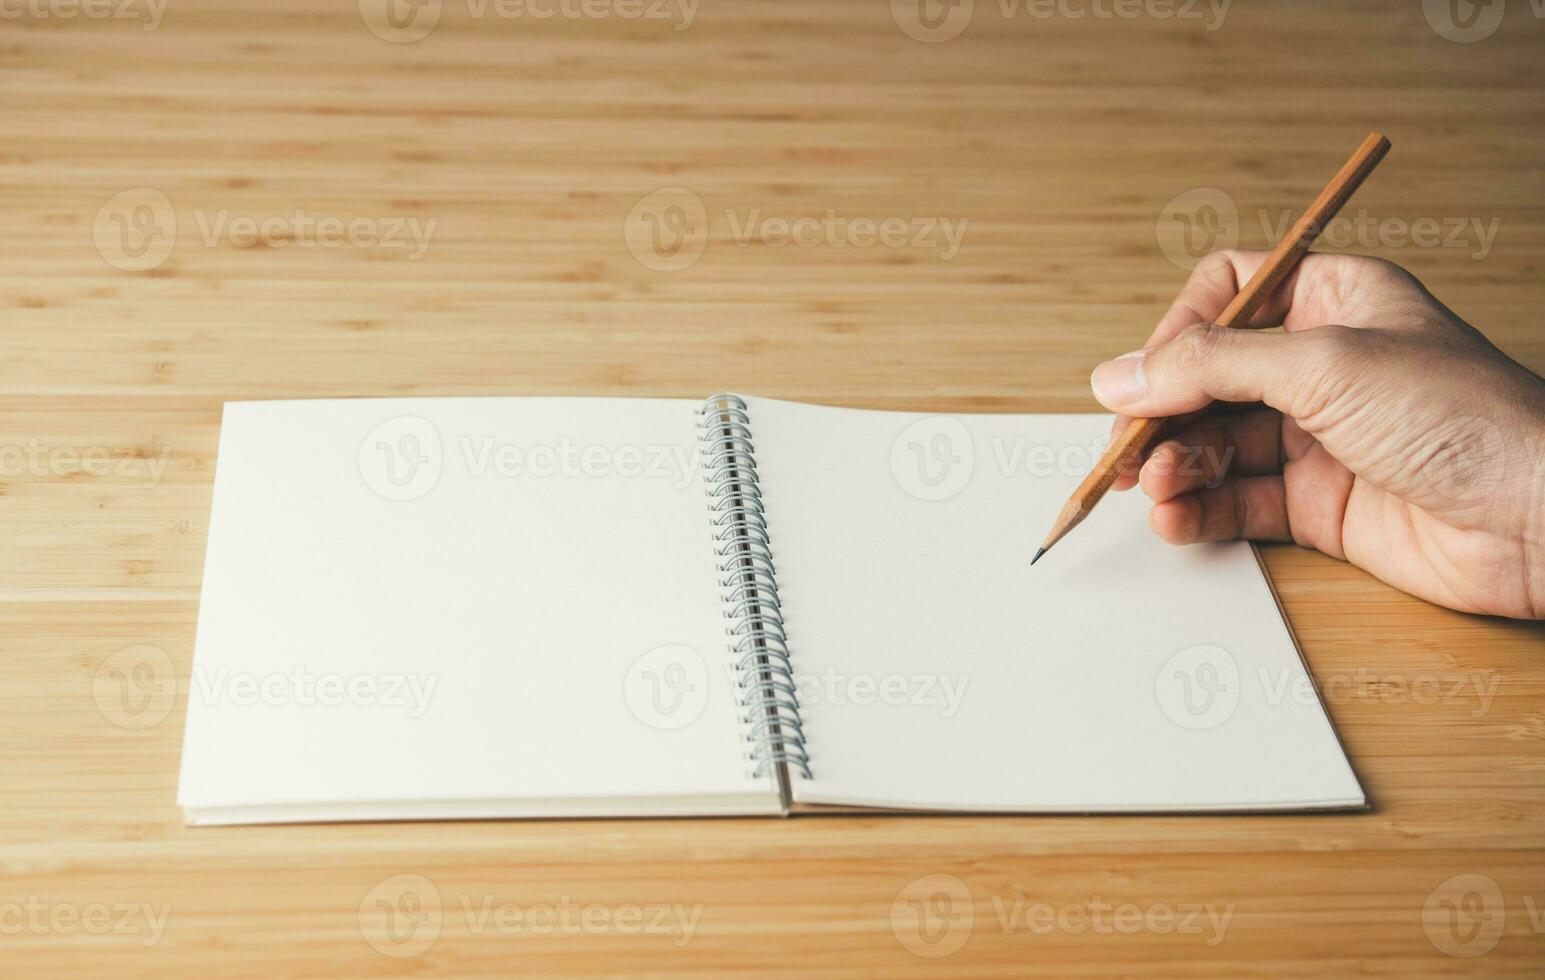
(1222,257)
(1196,346)
(1241,502)
(1330,344)
(1382,267)
(1376,271)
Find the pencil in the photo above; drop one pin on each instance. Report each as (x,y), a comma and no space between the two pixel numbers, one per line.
(1140,432)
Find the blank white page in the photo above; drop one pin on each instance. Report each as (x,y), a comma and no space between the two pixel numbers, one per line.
(939,670)
(461,607)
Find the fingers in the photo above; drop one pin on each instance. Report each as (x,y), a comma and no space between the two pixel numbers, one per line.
(1250,507)
(1215,282)
(1355,290)
(1322,288)
(1212,286)
(1128,478)
(1248,443)
(1293,373)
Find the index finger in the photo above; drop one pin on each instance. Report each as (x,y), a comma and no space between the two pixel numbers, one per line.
(1324,287)
(1214,283)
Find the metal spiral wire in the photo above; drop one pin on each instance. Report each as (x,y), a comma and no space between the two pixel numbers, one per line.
(768,698)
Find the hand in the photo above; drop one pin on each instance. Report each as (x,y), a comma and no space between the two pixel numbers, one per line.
(1393,434)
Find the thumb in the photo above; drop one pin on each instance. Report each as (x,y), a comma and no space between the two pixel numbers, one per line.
(1206,363)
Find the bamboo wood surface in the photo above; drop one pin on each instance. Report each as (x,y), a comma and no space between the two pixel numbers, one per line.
(1090,157)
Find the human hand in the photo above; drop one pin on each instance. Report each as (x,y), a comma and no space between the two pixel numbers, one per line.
(1393,434)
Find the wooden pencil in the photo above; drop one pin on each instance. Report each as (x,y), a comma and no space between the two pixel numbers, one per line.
(1141,432)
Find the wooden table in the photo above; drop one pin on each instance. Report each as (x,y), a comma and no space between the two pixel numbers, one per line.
(225,206)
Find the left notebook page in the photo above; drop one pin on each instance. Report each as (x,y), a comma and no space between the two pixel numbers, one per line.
(461,607)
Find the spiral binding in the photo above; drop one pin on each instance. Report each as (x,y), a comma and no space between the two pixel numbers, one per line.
(758,643)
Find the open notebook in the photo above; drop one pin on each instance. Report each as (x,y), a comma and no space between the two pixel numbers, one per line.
(543,607)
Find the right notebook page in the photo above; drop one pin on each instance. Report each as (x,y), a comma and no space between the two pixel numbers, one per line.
(938,670)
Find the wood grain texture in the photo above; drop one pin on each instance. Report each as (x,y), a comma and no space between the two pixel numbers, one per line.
(1064,142)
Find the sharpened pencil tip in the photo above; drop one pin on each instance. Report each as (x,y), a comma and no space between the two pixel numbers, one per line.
(1039,552)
